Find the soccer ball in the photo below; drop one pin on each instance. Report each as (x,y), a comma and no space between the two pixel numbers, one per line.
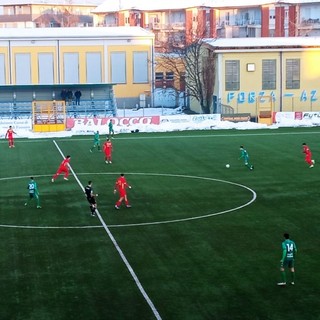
(228,165)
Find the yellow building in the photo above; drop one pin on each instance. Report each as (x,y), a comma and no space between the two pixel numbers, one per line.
(262,75)
(37,60)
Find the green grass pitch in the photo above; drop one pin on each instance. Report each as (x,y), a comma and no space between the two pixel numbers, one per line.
(202,240)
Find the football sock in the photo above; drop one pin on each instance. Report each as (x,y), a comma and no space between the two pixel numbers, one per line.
(283,276)
(293,276)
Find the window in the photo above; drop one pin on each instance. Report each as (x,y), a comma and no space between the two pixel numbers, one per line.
(93,67)
(23,68)
(182,81)
(159,76)
(45,68)
(71,67)
(140,67)
(293,74)
(169,76)
(118,67)
(2,69)
(269,74)
(232,75)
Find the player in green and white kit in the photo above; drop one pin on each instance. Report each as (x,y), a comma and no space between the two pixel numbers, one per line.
(111,130)
(245,156)
(289,251)
(96,142)
(33,192)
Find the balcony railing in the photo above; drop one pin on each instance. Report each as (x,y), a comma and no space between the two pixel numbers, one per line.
(239,23)
(168,26)
(310,22)
(87,108)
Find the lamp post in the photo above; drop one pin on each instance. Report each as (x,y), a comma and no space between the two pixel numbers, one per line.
(14,105)
(92,102)
(164,88)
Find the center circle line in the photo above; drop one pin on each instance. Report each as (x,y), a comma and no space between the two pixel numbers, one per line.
(254,196)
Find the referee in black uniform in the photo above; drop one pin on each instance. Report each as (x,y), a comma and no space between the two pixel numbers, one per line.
(91,197)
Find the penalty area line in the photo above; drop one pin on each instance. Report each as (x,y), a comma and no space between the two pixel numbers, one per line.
(123,257)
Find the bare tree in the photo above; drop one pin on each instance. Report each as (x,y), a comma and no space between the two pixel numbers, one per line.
(200,74)
(69,19)
(60,16)
(196,62)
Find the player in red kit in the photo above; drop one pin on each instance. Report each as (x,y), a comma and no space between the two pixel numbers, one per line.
(9,134)
(63,168)
(121,186)
(308,155)
(107,148)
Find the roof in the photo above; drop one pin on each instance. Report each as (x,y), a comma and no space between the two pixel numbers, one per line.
(245,3)
(118,5)
(143,5)
(58,33)
(263,43)
(300,1)
(54,86)
(90,3)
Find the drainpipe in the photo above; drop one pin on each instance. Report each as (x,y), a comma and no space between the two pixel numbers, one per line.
(281,78)
(10,62)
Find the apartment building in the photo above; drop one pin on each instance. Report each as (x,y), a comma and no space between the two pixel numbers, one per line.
(47,13)
(179,23)
(172,22)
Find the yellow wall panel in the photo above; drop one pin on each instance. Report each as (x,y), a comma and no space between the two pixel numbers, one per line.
(129,88)
(4,50)
(33,51)
(82,51)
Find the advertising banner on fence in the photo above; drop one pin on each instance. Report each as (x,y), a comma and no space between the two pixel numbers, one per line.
(17,124)
(120,124)
(236,117)
(310,118)
(143,123)
(196,118)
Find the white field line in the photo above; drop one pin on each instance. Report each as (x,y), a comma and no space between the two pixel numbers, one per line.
(124,259)
(137,137)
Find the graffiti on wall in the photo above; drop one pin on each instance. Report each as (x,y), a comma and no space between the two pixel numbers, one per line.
(251,96)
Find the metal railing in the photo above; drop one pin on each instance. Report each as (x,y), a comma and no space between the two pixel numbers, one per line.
(87,108)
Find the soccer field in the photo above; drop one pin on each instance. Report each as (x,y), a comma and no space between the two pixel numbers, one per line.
(201,241)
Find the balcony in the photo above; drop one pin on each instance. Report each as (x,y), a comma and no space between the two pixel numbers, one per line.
(175,26)
(16,18)
(247,22)
(310,23)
